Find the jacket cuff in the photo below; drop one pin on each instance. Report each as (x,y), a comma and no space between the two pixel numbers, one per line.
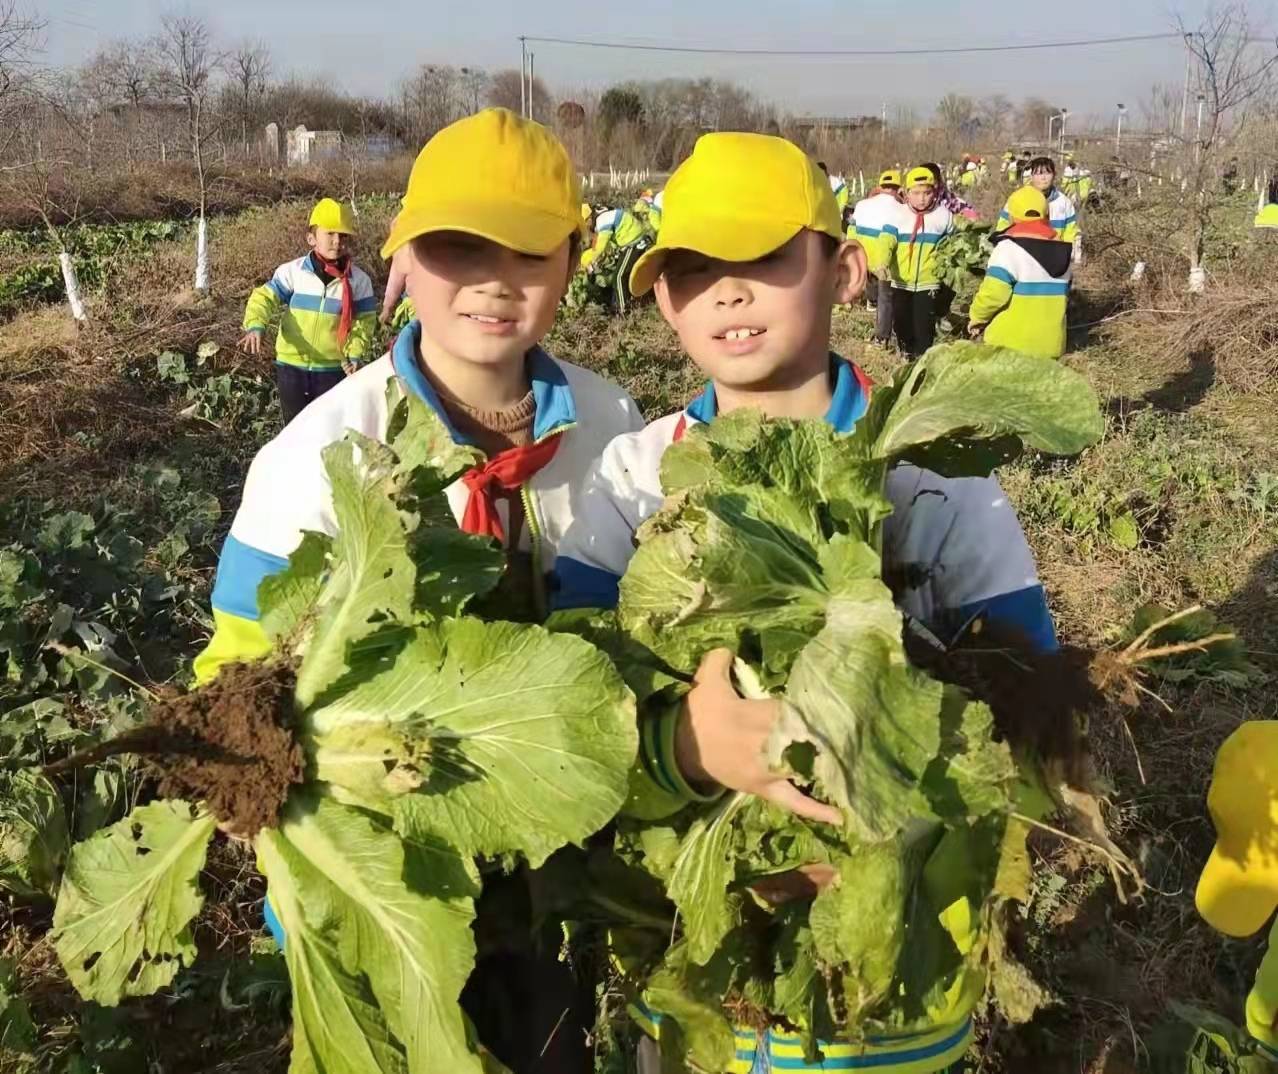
(657,752)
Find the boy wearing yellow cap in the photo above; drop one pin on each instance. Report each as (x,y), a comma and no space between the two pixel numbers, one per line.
(486,240)
(1238,890)
(870,217)
(1022,301)
(329,312)
(911,239)
(749,284)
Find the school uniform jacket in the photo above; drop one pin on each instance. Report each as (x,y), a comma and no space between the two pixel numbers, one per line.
(874,227)
(311,305)
(1023,298)
(287,491)
(913,250)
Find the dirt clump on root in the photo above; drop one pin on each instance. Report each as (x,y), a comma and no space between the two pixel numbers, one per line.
(1038,698)
(231,745)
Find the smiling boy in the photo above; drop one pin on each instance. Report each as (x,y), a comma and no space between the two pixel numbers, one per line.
(750,285)
(487,240)
(328,312)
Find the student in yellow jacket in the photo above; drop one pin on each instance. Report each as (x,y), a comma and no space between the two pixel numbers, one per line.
(1022,300)
(328,313)
(1238,890)
(911,238)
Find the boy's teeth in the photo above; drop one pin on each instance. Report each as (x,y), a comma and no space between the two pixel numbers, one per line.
(741,333)
(485,320)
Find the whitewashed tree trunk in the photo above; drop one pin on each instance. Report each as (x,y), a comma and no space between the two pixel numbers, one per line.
(72,283)
(1138,272)
(202,257)
(1197,280)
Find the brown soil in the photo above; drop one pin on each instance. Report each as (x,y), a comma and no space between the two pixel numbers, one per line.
(238,753)
(229,745)
(1037,698)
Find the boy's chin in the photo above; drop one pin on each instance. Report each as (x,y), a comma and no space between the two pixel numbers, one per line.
(749,372)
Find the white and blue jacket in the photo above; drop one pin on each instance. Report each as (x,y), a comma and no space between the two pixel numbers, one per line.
(957,540)
(287,490)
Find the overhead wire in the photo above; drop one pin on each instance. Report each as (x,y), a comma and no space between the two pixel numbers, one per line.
(937,51)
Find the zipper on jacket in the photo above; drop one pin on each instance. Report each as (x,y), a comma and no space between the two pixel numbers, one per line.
(535,539)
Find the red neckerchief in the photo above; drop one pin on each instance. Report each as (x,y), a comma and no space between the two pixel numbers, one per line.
(1031,229)
(919,217)
(507,470)
(866,384)
(340,270)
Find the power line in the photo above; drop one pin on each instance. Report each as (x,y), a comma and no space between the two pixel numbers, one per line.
(584,43)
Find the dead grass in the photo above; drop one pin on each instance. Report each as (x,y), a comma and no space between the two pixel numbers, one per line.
(171,192)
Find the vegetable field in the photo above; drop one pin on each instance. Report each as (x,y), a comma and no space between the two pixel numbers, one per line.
(1143,467)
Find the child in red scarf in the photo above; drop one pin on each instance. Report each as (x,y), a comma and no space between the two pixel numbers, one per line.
(328,312)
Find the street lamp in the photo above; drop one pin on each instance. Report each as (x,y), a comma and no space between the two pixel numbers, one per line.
(1051,122)
(1118,137)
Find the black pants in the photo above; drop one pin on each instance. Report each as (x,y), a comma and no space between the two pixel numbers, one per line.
(914,317)
(301,386)
(622,300)
(532,1011)
(883,311)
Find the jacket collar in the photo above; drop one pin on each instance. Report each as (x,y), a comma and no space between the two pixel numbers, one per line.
(850,402)
(555,409)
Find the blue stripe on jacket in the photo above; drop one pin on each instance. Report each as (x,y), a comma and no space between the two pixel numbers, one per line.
(1024,610)
(1042,287)
(240,571)
(1000,273)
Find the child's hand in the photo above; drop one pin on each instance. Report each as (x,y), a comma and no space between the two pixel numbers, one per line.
(349,366)
(974,330)
(251,342)
(721,739)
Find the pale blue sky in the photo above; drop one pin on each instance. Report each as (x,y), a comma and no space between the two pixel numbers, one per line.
(371,45)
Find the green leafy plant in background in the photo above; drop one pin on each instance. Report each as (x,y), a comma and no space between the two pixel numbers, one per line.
(770,544)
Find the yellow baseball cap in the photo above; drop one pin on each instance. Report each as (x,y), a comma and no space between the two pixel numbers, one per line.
(333,216)
(494,175)
(738,197)
(1238,890)
(920,177)
(1027,204)
(891,177)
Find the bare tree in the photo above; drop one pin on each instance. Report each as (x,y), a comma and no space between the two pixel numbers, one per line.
(473,83)
(187,62)
(21,35)
(1234,69)
(432,98)
(996,116)
(956,114)
(249,68)
(503,92)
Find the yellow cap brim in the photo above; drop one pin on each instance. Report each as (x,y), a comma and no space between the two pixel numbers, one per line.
(526,231)
(723,238)
(1236,897)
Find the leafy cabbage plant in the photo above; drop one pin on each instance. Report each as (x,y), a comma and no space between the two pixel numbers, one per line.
(770,543)
(431,739)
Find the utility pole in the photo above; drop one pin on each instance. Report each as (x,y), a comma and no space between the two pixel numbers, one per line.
(523,75)
(532,61)
(1118,138)
(1064,116)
